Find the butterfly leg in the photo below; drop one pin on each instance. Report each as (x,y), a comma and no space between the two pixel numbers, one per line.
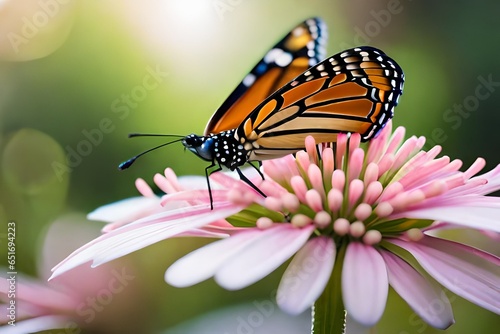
(247,181)
(207,174)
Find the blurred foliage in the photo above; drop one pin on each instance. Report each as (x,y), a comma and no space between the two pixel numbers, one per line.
(79,102)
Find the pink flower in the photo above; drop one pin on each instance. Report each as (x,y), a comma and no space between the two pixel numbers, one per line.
(83,299)
(364,212)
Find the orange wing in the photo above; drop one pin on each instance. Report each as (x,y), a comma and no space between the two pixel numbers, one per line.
(354,91)
(302,48)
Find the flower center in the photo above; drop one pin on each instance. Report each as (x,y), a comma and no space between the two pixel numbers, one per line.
(345,191)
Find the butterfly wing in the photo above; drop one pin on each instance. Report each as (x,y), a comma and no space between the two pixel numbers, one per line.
(302,48)
(353,91)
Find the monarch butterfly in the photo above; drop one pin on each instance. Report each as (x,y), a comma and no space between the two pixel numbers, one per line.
(292,93)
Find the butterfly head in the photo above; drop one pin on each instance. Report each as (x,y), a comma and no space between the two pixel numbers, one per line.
(200,145)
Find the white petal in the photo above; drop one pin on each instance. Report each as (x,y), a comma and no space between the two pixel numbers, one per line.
(469,215)
(128,209)
(425,297)
(307,275)
(38,324)
(364,283)
(200,232)
(142,233)
(466,271)
(265,254)
(202,263)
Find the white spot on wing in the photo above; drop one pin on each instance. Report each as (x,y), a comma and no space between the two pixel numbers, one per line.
(284,59)
(298,31)
(382,119)
(272,55)
(249,80)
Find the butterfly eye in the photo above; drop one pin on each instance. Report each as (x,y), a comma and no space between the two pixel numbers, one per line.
(192,140)
(204,147)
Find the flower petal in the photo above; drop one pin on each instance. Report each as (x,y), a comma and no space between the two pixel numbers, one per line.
(466,271)
(307,275)
(493,177)
(192,182)
(364,283)
(144,232)
(202,263)
(266,253)
(202,233)
(40,295)
(425,297)
(38,324)
(128,209)
(474,215)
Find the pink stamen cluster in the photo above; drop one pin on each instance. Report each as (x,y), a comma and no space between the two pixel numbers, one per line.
(351,191)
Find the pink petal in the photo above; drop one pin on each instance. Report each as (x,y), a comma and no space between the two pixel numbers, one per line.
(192,182)
(425,297)
(128,209)
(221,225)
(195,197)
(202,263)
(493,177)
(316,179)
(144,232)
(230,180)
(466,271)
(404,152)
(342,139)
(40,295)
(469,213)
(376,147)
(396,139)
(307,275)
(364,283)
(144,188)
(272,188)
(356,164)
(262,256)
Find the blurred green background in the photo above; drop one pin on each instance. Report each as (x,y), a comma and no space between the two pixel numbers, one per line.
(64,113)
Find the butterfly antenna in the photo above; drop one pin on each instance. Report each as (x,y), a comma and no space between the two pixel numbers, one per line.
(132,135)
(129,162)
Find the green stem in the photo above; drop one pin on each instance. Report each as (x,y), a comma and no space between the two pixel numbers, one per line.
(328,315)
